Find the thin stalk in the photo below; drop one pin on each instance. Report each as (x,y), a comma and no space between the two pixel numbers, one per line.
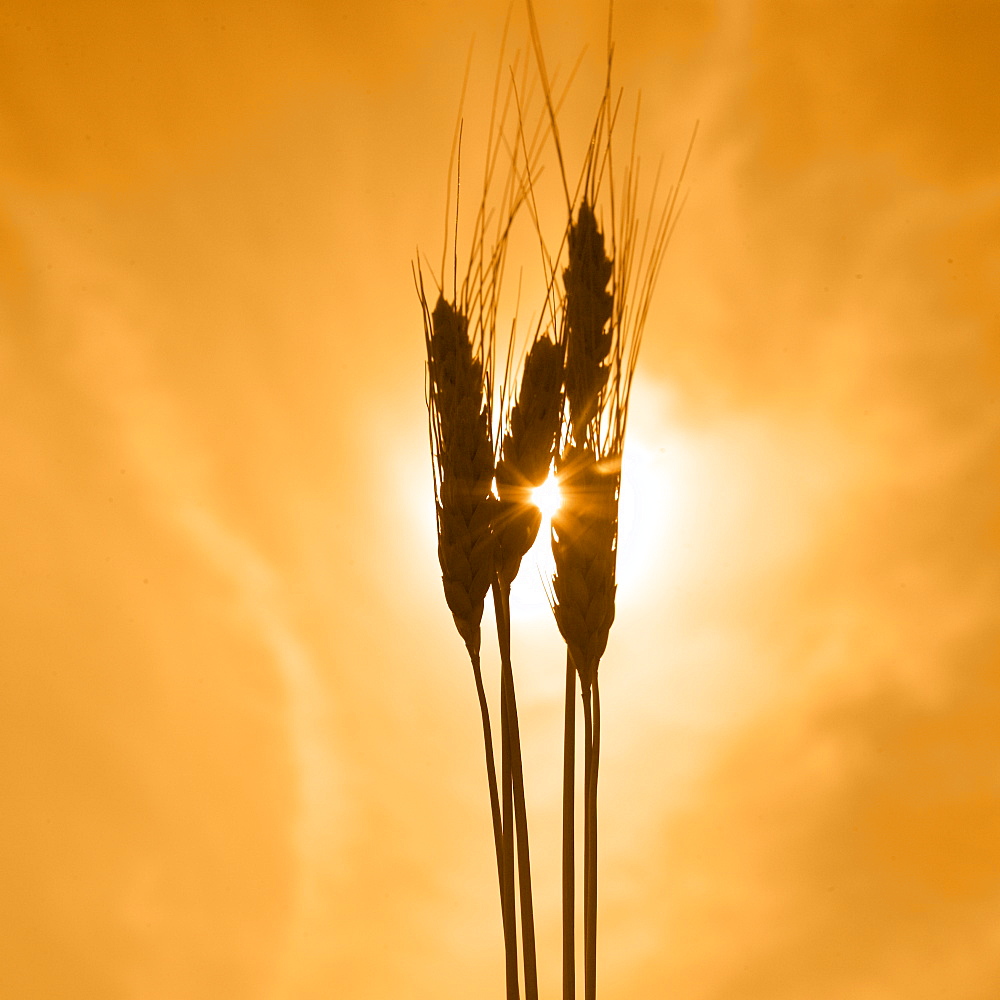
(508,909)
(595,760)
(491,777)
(588,763)
(568,832)
(502,591)
(589,854)
(588,741)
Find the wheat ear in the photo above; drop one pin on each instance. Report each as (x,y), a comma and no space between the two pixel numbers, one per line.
(527,452)
(459,403)
(588,315)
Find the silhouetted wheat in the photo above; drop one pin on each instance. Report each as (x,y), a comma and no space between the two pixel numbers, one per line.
(459,338)
(481,539)
(570,409)
(603,333)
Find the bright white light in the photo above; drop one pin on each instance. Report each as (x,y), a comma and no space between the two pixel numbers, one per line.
(547,497)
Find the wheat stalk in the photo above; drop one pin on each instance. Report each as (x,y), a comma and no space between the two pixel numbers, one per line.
(459,339)
(472,534)
(585,530)
(603,333)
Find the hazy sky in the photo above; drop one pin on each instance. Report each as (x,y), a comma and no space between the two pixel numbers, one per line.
(239,751)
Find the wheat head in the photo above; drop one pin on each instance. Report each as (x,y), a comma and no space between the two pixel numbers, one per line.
(589,307)
(458,396)
(526,453)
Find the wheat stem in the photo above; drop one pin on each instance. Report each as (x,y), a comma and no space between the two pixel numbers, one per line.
(501,594)
(491,777)
(595,759)
(588,738)
(508,909)
(568,831)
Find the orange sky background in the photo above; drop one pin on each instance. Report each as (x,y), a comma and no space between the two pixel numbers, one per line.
(240,751)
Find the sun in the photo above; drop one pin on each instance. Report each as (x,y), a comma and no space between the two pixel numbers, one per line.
(547,497)
(654,516)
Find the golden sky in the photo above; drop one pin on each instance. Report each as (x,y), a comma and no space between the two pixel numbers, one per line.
(240,752)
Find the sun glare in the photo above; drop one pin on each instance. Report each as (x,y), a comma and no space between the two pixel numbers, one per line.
(651,510)
(547,497)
